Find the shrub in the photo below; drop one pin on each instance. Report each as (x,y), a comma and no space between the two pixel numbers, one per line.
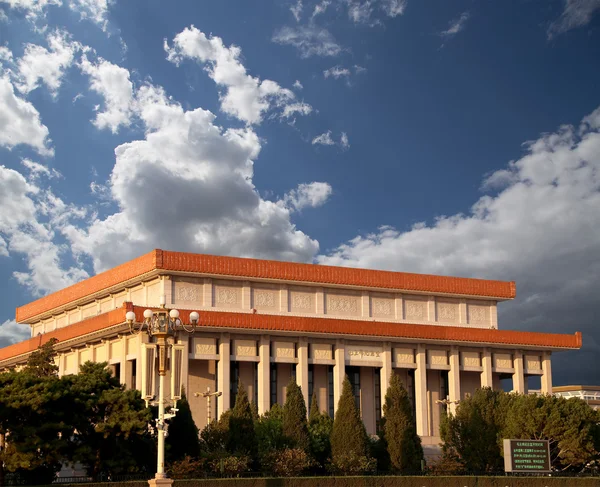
(289,462)
(188,468)
(352,464)
(295,427)
(231,466)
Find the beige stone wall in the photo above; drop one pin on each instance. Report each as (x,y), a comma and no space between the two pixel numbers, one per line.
(284,374)
(367,398)
(320,382)
(434,394)
(202,374)
(469,383)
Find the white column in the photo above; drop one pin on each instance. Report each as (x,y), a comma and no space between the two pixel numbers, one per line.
(386,372)
(223,373)
(487,379)
(339,372)
(546,378)
(421,391)
(264,379)
(302,370)
(185,366)
(519,374)
(454,378)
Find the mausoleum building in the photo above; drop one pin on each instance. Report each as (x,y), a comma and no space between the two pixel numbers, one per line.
(265,322)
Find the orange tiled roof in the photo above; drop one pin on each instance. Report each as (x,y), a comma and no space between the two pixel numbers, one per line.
(266,269)
(277,323)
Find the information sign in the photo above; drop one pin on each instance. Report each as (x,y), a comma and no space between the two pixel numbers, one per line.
(526,456)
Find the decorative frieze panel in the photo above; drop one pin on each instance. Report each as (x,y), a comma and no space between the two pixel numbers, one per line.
(245,348)
(404,356)
(102,353)
(533,362)
(116,349)
(471,359)
(187,291)
(73,317)
(71,363)
(61,321)
(153,294)
(447,311)
(415,308)
(85,356)
(205,346)
(383,307)
(89,311)
(478,313)
(120,299)
(227,295)
(106,305)
(285,350)
(343,304)
(302,300)
(138,296)
(503,361)
(363,353)
(437,357)
(265,298)
(321,351)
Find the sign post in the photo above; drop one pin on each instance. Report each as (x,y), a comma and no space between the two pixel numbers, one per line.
(527,456)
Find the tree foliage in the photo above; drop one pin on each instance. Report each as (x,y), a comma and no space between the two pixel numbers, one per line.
(295,426)
(399,430)
(182,439)
(41,362)
(320,426)
(242,439)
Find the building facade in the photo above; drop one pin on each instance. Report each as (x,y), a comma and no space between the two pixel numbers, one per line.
(263,323)
(590,394)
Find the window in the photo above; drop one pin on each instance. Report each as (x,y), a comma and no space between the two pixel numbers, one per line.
(273,385)
(354,377)
(256,383)
(330,390)
(444,392)
(377,383)
(311,384)
(233,382)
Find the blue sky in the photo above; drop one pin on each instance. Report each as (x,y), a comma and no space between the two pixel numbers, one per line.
(456,138)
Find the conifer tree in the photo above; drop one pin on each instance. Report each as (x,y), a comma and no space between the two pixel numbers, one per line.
(295,427)
(399,431)
(319,430)
(242,439)
(182,439)
(348,435)
(41,362)
(314,414)
(254,409)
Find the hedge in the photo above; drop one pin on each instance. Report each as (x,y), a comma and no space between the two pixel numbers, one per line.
(372,482)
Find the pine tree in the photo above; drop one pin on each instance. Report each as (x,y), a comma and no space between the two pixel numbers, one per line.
(41,362)
(319,430)
(295,427)
(254,409)
(403,443)
(182,439)
(349,435)
(314,414)
(242,439)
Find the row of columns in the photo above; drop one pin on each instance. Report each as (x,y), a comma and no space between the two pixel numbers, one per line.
(339,372)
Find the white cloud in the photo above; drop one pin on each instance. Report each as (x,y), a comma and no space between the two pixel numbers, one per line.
(34,8)
(207,201)
(298,85)
(113,83)
(542,230)
(310,40)
(336,72)
(576,13)
(93,10)
(320,8)
(364,11)
(3,16)
(344,142)
(20,121)
(46,65)
(296,10)
(359,69)
(393,8)
(292,109)
(6,55)
(456,26)
(246,97)
(36,170)
(323,139)
(11,332)
(308,195)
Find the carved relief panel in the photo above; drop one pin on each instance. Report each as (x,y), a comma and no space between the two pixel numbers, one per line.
(227,294)
(503,361)
(383,306)
(446,311)
(89,311)
(205,346)
(533,362)
(187,290)
(245,348)
(320,351)
(265,298)
(404,356)
(364,353)
(138,296)
(478,313)
(302,300)
(285,350)
(339,304)
(61,321)
(153,294)
(437,357)
(415,308)
(471,359)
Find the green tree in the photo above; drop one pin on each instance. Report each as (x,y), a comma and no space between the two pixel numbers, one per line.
(182,439)
(41,362)
(399,431)
(320,426)
(314,411)
(242,439)
(295,426)
(269,432)
(349,445)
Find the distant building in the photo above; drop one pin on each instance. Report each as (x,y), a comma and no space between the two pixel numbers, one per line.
(265,322)
(590,394)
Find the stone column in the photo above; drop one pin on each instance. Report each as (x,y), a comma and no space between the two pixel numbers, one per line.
(264,379)
(224,373)
(339,372)
(302,370)
(546,379)
(421,391)
(454,378)
(487,379)
(386,372)
(519,374)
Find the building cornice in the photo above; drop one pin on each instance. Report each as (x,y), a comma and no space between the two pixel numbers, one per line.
(160,262)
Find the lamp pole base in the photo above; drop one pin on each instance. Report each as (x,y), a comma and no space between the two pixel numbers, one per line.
(157,482)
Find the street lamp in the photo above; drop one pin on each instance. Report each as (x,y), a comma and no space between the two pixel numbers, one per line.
(160,326)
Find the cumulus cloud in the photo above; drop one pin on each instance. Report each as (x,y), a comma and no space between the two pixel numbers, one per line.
(309,195)
(298,85)
(11,332)
(246,98)
(344,142)
(112,82)
(20,122)
(36,170)
(542,230)
(33,9)
(292,109)
(336,72)
(93,10)
(39,64)
(309,40)
(206,202)
(576,13)
(326,139)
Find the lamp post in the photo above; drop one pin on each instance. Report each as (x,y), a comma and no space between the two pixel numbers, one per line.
(208,395)
(163,327)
